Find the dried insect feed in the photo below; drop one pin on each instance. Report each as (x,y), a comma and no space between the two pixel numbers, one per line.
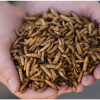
(54,49)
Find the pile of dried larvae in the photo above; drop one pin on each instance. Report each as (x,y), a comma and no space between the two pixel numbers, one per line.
(54,49)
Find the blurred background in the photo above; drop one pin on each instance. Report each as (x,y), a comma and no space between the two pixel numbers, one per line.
(90,92)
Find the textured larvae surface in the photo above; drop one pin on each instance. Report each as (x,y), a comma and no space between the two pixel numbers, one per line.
(54,49)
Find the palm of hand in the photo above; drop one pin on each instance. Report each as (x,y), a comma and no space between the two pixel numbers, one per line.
(86,9)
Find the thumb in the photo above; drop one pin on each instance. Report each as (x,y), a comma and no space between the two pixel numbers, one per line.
(8,72)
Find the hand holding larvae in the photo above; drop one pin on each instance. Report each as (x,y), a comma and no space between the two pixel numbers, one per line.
(11,72)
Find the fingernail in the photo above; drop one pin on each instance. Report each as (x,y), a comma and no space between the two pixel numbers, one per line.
(13,85)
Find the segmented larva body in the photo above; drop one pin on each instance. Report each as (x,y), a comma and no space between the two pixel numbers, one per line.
(41,89)
(74,88)
(28,68)
(22,60)
(57,57)
(23,86)
(90,29)
(80,77)
(79,50)
(46,71)
(86,61)
(51,84)
(91,69)
(20,74)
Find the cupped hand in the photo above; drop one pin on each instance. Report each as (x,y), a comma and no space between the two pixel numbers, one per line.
(86,9)
(10,20)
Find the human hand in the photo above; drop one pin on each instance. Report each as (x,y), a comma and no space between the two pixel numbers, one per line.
(10,20)
(86,9)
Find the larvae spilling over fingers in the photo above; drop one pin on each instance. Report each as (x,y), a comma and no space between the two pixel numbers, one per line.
(54,49)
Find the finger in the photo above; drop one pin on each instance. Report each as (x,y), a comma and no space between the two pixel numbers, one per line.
(62,90)
(69,90)
(97,72)
(30,93)
(8,71)
(79,88)
(54,97)
(88,80)
(86,9)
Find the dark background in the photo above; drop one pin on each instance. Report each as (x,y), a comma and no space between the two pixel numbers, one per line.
(90,92)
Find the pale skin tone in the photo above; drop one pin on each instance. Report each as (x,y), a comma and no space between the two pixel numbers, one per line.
(11,19)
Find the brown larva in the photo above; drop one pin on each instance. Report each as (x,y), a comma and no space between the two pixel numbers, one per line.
(41,89)
(28,68)
(91,69)
(54,76)
(86,61)
(23,86)
(33,41)
(22,60)
(46,71)
(51,84)
(45,47)
(79,48)
(20,74)
(57,57)
(90,29)
(80,77)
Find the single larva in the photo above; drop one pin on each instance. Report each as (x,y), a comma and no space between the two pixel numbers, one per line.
(46,71)
(75,73)
(28,68)
(69,33)
(33,69)
(80,77)
(78,35)
(23,86)
(32,55)
(17,41)
(67,58)
(54,75)
(78,56)
(20,74)
(61,49)
(79,48)
(38,74)
(86,61)
(53,49)
(57,57)
(45,47)
(74,88)
(93,57)
(86,73)
(71,47)
(41,89)
(53,11)
(22,60)
(91,69)
(90,29)
(51,84)
(33,41)
(62,75)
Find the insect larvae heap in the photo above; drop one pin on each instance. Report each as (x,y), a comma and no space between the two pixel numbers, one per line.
(54,49)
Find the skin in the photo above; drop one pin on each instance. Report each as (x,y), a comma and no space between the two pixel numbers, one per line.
(11,19)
